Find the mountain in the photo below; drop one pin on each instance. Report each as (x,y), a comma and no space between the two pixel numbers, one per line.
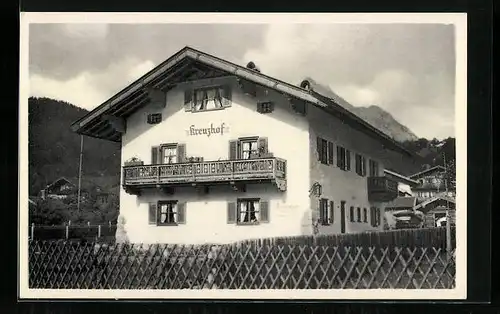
(54,150)
(374,115)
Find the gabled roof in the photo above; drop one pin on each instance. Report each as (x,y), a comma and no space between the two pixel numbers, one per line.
(434,199)
(60,180)
(188,62)
(401,177)
(427,171)
(402,202)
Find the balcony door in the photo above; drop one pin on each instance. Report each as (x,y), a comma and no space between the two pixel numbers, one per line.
(169,154)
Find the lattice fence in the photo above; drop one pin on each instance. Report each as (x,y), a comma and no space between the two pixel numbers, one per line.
(66,265)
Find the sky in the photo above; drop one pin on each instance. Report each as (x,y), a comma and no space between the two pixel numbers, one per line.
(406,69)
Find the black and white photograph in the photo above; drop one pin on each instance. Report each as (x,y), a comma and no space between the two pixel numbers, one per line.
(243,156)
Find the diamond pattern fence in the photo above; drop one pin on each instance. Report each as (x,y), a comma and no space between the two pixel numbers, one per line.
(70,265)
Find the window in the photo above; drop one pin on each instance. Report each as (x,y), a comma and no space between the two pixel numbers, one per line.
(374,171)
(265,107)
(154,118)
(248,148)
(360,165)
(208,98)
(167,213)
(169,154)
(365,215)
(351,213)
(326,210)
(359,214)
(248,211)
(325,151)
(343,158)
(164,213)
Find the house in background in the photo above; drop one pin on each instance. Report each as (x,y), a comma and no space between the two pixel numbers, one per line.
(430,184)
(206,156)
(58,189)
(400,213)
(434,209)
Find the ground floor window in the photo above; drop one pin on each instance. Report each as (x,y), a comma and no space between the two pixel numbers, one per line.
(248,211)
(167,213)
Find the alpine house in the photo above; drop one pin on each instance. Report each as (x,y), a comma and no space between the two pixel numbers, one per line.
(214,152)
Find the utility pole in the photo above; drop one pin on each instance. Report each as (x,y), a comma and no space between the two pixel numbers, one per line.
(80,171)
(448,220)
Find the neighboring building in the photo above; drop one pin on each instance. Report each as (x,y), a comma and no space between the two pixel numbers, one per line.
(399,213)
(401,203)
(59,189)
(213,152)
(434,210)
(405,184)
(431,183)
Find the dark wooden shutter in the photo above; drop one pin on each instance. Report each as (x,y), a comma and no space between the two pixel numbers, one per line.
(231,212)
(330,153)
(188,99)
(181,152)
(332,212)
(339,157)
(378,217)
(181,213)
(264,211)
(348,159)
(323,210)
(155,155)
(358,212)
(153,208)
(227,96)
(319,147)
(363,166)
(351,213)
(262,145)
(233,150)
(365,215)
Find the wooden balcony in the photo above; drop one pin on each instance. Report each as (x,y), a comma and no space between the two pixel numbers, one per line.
(382,189)
(205,173)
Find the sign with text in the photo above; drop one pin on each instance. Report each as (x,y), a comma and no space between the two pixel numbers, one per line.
(208,131)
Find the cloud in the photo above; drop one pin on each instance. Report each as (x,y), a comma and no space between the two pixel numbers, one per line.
(407,69)
(90,89)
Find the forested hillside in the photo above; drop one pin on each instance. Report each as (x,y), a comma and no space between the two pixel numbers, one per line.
(54,149)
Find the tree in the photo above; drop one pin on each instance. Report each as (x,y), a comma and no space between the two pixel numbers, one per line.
(450,174)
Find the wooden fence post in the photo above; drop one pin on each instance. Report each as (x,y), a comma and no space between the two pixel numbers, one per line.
(32,231)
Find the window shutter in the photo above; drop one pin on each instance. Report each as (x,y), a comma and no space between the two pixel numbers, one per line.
(365,215)
(323,208)
(262,145)
(319,147)
(351,213)
(330,153)
(155,155)
(332,212)
(231,213)
(339,157)
(348,159)
(264,211)
(363,166)
(227,96)
(372,216)
(233,150)
(378,217)
(359,214)
(181,152)
(152,213)
(188,99)
(181,213)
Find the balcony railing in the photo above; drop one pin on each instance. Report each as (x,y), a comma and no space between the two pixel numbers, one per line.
(382,189)
(270,169)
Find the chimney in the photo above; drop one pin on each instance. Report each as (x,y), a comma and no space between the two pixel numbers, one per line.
(252,66)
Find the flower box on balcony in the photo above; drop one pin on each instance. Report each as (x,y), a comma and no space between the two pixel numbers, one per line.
(134,162)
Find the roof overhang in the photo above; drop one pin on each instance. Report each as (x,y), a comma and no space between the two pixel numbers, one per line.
(403,178)
(435,168)
(434,199)
(176,70)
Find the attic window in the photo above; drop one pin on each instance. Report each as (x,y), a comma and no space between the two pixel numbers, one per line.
(265,107)
(154,118)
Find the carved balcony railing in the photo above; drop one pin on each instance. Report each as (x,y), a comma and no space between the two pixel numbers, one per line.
(207,172)
(382,189)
